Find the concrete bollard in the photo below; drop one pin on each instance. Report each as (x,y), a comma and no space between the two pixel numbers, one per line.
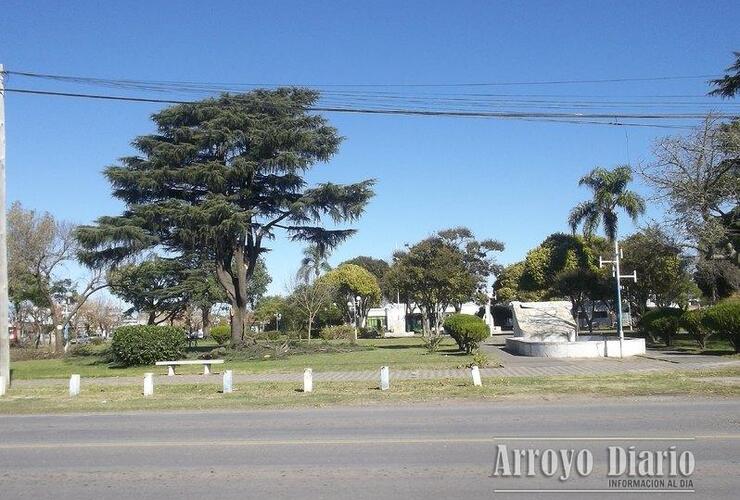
(385,379)
(228,382)
(475,372)
(148,384)
(2,386)
(308,380)
(74,385)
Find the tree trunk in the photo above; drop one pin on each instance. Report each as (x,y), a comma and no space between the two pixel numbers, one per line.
(238,321)
(206,320)
(152,318)
(58,334)
(424,322)
(310,322)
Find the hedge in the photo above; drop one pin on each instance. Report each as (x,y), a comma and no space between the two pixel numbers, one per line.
(693,322)
(724,320)
(661,324)
(339,332)
(467,330)
(221,334)
(146,344)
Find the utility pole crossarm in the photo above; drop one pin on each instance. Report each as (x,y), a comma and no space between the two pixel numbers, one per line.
(619,277)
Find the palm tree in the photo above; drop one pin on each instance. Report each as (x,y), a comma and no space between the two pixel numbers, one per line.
(314,262)
(609,193)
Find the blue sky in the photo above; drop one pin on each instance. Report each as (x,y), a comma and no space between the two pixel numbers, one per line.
(510,180)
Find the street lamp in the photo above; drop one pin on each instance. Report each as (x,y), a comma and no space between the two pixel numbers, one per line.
(616,271)
(67,298)
(278,317)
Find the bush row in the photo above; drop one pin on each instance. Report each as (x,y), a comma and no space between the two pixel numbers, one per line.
(722,319)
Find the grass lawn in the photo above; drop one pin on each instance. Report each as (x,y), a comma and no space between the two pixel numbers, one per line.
(685,343)
(403,353)
(99,398)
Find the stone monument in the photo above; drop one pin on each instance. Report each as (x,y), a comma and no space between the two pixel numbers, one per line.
(544,321)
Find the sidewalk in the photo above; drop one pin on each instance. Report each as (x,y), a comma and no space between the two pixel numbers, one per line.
(514,366)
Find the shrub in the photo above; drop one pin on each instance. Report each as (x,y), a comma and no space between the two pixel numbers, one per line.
(661,324)
(221,334)
(724,320)
(693,322)
(479,359)
(432,342)
(467,330)
(277,335)
(145,344)
(370,333)
(339,332)
(81,350)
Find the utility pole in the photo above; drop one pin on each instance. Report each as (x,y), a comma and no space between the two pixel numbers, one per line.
(618,275)
(4,333)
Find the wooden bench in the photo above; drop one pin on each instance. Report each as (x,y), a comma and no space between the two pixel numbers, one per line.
(205,362)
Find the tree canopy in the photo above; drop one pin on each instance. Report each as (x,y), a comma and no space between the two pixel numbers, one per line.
(446,269)
(223,176)
(662,271)
(349,282)
(609,188)
(728,85)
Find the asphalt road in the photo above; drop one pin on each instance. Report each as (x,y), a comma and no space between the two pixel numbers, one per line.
(409,452)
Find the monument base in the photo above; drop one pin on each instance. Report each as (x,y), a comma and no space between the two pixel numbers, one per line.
(586,346)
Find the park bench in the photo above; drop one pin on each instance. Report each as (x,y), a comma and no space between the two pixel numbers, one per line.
(205,362)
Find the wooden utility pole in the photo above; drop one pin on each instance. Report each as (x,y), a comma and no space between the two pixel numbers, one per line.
(4,333)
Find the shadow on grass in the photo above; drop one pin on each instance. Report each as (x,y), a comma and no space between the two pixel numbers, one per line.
(396,346)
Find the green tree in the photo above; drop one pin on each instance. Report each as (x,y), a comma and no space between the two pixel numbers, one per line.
(585,288)
(507,284)
(443,270)
(314,262)
(662,271)
(357,291)
(717,279)
(377,267)
(153,287)
(728,85)
(224,174)
(562,266)
(477,257)
(610,193)
(724,319)
(267,310)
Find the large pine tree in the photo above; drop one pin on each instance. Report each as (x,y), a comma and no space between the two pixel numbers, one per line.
(221,176)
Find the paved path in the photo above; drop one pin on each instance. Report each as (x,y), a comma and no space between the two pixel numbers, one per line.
(410,452)
(513,366)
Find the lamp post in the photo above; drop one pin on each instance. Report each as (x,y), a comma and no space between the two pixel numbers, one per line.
(278,317)
(67,298)
(617,274)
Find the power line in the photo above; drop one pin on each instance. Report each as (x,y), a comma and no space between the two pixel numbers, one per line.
(469,84)
(561,117)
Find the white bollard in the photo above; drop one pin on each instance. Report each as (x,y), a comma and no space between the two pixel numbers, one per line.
(2,386)
(148,384)
(74,385)
(228,382)
(170,371)
(385,380)
(475,372)
(308,380)
(206,369)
